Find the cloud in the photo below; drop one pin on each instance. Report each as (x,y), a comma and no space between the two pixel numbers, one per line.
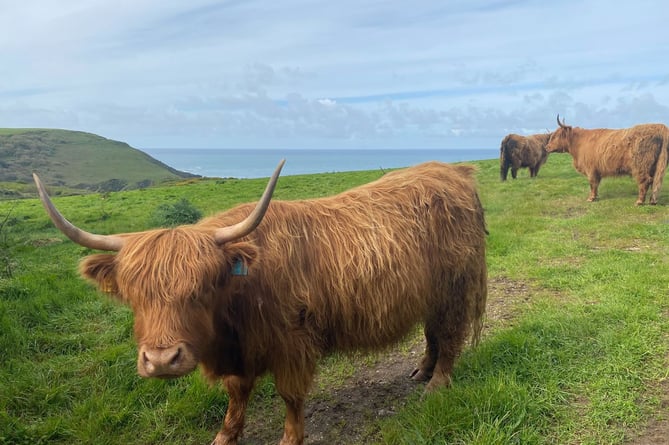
(374,74)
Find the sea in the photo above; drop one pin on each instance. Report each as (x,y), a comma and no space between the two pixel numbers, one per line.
(257,163)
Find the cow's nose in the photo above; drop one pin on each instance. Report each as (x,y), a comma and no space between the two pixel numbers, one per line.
(161,361)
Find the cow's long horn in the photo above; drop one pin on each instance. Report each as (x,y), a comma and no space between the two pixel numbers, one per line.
(231,233)
(86,239)
(561,124)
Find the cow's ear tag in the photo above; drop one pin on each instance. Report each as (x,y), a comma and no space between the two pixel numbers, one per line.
(239,267)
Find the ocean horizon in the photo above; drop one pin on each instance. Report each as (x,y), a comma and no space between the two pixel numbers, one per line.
(260,163)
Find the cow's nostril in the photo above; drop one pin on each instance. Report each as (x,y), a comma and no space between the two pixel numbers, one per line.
(176,358)
(148,365)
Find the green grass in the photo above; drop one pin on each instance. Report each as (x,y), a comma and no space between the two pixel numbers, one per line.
(583,360)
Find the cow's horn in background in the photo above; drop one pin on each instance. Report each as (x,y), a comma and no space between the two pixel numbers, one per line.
(231,233)
(86,239)
(561,124)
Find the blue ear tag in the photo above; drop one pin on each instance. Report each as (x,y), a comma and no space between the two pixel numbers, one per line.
(239,267)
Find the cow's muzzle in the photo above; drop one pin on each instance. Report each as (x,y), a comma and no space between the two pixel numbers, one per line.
(165,361)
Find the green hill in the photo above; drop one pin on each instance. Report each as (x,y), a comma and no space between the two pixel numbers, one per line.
(75,160)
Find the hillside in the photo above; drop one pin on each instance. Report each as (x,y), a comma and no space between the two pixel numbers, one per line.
(76,160)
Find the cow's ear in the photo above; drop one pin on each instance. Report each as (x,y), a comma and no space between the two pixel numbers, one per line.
(242,256)
(101,270)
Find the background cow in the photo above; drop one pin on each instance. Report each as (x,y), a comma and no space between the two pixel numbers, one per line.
(355,271)
(640,151)
(522,151)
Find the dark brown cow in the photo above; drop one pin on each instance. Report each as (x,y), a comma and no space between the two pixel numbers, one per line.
(355,271)
(640,151)
(522,151)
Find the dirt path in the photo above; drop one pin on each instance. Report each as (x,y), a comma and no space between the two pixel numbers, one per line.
(347,412)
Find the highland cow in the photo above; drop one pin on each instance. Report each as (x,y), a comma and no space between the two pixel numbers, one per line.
(273,287)
(640,151)
(517,152)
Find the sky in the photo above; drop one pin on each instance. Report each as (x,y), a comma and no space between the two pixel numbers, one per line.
(351,74)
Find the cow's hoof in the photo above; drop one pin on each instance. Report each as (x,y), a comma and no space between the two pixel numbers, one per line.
(438,383)
(419,375)
(223,439)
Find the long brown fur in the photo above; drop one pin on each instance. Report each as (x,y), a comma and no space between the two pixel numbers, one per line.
(517,152)
(640,151)
(355,271)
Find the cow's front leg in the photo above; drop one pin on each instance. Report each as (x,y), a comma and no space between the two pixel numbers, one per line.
(293,432)
(594,180)
(239,391)
(645,182)
(293,385)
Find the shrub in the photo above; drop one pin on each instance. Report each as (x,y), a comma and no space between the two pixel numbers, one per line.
(181,212)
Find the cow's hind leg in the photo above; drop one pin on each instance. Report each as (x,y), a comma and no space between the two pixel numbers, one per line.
(450,327)
(445,336)
(424,371)
(451,342)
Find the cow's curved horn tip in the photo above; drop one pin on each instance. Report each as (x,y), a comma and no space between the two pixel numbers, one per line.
(279,167)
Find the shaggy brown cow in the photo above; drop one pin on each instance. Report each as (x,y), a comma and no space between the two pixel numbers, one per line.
(522,151)
(640,151)
(296,280)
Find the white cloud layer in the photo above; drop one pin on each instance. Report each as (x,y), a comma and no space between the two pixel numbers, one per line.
(346,74)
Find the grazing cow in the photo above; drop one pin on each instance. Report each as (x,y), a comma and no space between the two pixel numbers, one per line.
(274,287)
(522,151)
(640,151)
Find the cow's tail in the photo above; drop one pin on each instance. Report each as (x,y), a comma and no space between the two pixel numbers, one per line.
(660,167)
(479,309)
(480,297)
(504,159)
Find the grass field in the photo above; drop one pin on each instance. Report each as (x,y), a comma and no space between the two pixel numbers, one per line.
(581,360)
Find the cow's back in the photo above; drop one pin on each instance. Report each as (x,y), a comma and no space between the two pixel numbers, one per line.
(611,152)
(525,151)
(359,269)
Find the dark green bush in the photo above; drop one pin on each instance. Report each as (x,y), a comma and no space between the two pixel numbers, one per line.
(171,215)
